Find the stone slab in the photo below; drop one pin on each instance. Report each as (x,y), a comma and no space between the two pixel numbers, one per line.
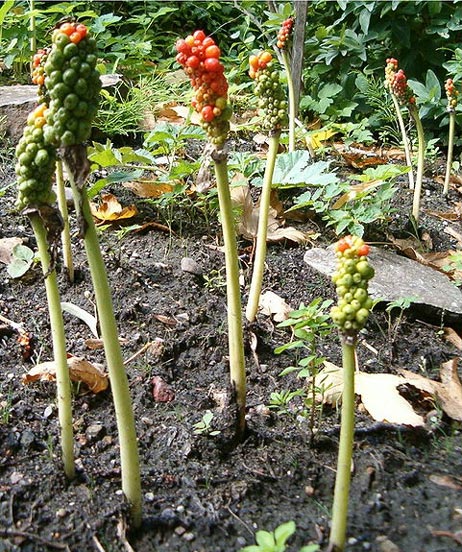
(397,277)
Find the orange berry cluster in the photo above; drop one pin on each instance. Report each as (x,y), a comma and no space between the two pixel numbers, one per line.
(268,88)
(351,279)
(396,82)
(38,61)
(75,31)
(199,56)
(284,33)
(451,94)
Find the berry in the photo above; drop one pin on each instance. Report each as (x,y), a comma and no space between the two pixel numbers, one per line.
(351,278)
(72,82)
(451,94)
(35,163)
(284,33)
(199,55)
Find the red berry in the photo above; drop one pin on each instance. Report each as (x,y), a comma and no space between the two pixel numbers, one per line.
(199,35)
(182,47)
(213,65)
(364,250)
(192,62)
(207,113)
(212,52)
(208,41)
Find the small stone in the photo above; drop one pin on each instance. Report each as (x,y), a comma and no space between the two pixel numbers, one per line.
(180,530)
(189,537)
(191,266)
(48,411)
(94,431)
(27,438)
(149,497)
(61,513)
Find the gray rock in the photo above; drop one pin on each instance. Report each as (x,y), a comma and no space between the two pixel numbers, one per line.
(191,266)
(398,277)
(94,432)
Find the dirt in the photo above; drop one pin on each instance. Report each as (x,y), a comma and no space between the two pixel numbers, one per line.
(200,494)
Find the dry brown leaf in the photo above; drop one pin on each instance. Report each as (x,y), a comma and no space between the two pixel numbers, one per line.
(6,249)
(247,223)
(453,337)
(446,481)
(80,370)
(167,320)
(111,210)
(454,233)
(272,305)
(354,190)
(149,188)
(454,215)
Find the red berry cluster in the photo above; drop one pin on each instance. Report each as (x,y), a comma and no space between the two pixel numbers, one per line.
(199,55)
(38,61)
(401,90)
(451,94)
(390,70)
(285,32)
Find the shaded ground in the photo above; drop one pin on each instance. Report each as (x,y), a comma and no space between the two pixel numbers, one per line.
(199,495)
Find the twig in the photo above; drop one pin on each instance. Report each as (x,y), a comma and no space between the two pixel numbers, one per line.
(5,533)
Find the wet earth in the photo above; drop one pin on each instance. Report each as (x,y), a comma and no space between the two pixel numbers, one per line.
(201,494)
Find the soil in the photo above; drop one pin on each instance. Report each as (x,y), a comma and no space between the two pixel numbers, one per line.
(200,493)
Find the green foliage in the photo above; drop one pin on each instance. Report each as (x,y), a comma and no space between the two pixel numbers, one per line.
(276,541)
(204,427)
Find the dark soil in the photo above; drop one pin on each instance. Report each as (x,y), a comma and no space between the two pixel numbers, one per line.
(200,494)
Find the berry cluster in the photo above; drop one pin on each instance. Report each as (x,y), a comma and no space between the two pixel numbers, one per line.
(200,58)
(351,279)
(451,94)
(73,84)
(284,33)
(35,163)
(268,88)
(396,82)
(38,74)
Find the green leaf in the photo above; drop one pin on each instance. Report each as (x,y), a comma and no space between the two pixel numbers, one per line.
(293,169)
(22,260)
(3,11)
(266,540)
(284,532)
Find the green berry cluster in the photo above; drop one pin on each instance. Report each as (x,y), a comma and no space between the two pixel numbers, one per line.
(271,96)
(35,163)
(351,279)
(73,84)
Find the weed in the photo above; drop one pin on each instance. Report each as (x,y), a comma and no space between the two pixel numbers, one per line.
(276,541)
(204,426)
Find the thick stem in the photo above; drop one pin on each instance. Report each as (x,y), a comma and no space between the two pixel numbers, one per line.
(420,161)
(342,481)
(292,104)
(65,234)
(59,347)
(129,458)
(260,249)
(405,138)
(32,28)
(452,124)
(235,334)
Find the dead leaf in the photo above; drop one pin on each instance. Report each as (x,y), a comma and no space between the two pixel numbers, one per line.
(354,190)
(167,320)
(446,481)
(110,209)
(454,233)
(247,222)
(80,370)
(454,215)
(453,337)
(272,305)
(161,391)
(6,249)
(149,188)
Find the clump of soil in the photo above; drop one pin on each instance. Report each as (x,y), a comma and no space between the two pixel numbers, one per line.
(200,494)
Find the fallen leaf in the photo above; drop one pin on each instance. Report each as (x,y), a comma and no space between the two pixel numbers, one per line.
(167,320)
(247,221)
(446,481)
(453,337)
(110,209)
(354,190)
(161,391)
(318,137)
(272,305)
(149,188)
(361,161)
(454,215)
(6,249)
(381,397)
(80,370)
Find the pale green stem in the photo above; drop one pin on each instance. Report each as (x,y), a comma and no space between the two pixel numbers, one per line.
(452,125)
(129,457)
(235,333)
(292,106)
(407,152)
(420,161)
(59,347)
(32,28)
(342,480)
(65,234)
(262,232)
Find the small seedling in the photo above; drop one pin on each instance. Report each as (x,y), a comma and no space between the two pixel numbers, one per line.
(276,541)
(454,264)
(204,426)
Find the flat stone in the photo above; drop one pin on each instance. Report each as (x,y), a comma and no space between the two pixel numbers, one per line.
(397,277)
(18,100)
